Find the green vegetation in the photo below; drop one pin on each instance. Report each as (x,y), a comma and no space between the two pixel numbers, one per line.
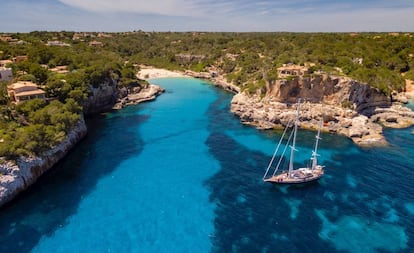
(249,60)
(37,126)
(34,126)
(378,59)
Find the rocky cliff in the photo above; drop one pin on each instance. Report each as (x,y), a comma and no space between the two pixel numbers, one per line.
(137,96)
(329,90)
(16,176)
(109,96)
(102,98)
(345,106)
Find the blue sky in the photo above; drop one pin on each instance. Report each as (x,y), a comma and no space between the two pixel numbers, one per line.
(207,15)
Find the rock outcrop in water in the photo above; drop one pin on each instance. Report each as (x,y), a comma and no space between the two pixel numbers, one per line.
(345,106)
(109,96)
(138,96)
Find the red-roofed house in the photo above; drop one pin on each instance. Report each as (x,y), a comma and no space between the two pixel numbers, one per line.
(20,58)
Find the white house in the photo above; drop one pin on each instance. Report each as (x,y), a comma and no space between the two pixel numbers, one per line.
(292,70)
(6,74)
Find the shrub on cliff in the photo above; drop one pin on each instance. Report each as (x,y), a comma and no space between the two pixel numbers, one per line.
(42,126)
(381,78)
(409,75)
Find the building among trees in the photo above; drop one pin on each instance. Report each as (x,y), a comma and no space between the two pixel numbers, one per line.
(22,91)
(292,70)
(6,74)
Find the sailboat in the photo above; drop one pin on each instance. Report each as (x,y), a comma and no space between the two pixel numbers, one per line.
(294,176)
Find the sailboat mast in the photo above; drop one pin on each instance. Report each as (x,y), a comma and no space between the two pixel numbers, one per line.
(315,150)
(275,152)
(293,149)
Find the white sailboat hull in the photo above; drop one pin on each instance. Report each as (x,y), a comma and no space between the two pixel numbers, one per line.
(298,176)
(295,176)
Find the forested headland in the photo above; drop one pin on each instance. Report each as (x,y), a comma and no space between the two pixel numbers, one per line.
(251,59)
(248,60)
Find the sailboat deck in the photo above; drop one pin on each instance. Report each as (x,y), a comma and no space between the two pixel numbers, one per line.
(297,176)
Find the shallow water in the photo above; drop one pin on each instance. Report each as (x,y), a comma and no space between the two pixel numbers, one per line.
(182,174)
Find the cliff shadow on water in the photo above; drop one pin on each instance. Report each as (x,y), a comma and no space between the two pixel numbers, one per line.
(46,205)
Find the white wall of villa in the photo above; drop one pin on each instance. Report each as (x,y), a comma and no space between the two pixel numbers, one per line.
(22,91)
(291,70)
(6,74)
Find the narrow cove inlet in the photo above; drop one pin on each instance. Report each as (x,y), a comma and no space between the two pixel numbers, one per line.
(182,174)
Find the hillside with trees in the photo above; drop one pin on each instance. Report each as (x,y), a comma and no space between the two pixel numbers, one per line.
(67,72)
(251,59)
(248,60)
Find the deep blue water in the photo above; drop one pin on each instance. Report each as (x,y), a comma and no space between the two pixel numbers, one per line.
(181,174)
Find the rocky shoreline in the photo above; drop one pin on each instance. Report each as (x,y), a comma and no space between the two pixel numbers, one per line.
(353,110)
(146,94)
(363,130)
(345,106)
(17,176)
(215,79)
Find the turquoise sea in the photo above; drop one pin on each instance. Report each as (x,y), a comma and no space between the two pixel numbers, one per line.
(181,174)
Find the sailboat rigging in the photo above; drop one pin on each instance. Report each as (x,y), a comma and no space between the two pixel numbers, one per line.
(294,176)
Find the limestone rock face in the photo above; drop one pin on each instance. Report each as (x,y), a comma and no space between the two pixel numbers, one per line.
(329,90)
(345,106)
(357,128)
(102,98)
(142,95)
(109,96)
(367,98)
(17,176)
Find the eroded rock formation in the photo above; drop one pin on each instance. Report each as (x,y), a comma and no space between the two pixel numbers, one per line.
(101,98)
(345,106)
(142,95)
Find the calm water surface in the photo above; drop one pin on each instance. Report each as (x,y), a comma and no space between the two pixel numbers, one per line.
(181,174)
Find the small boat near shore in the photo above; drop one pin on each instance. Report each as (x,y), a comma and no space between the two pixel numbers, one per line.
(299,175)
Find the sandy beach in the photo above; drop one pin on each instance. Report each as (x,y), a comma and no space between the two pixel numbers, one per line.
(409,89)
(147,72)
